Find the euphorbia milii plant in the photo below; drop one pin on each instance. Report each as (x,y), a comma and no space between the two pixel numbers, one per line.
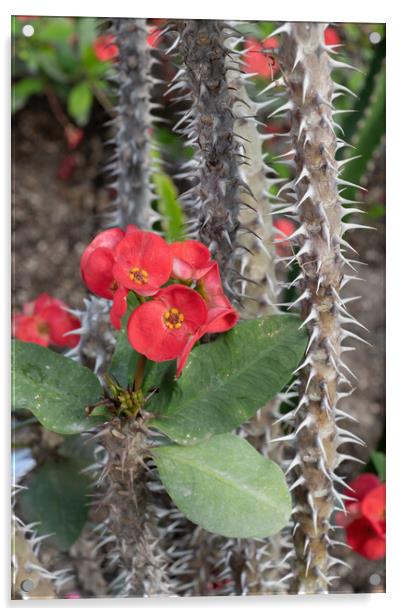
(171,318)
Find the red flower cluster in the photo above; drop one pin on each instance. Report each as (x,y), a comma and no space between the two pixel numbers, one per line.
(105,48)
(176,316)
(46,321)
(258,60)
(365,519)
(285,228)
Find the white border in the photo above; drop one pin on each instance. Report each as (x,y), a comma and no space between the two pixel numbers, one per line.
(340,10)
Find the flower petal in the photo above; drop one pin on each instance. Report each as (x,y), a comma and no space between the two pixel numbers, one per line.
(190,259)
(119,307)
(148,252)
(148,334)
(98,272)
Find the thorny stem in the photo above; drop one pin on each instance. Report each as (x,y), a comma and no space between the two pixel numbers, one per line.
(307,75)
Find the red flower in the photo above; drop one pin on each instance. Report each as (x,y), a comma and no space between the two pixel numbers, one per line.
(143,262)
(153,37)
(191,260)
(221,315)
(73,135)
(67,167)
(331,36)
(98,260)
(285,229)
(104,48)
(161,328)
(119,307)
(257,60)
(46,321)
(365,519)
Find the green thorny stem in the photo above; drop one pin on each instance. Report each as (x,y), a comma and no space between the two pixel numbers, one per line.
(323,376)
(131,166)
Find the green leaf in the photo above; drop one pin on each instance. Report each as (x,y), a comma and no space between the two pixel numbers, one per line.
(169,207)
(55,30)
(125,357)
(369,134)
(160,376)
(23,89)
(48,61)
(79,102)
(225,382)
(379,460)
(54,388)
(87,32)
(225,486)
(57,498)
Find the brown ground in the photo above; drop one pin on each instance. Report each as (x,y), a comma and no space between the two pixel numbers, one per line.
(54,219)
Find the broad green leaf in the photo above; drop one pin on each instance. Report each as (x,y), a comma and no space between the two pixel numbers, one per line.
(160,377)
(225,486)
(169,207)
(57,498)
(54,388)
(225,382)
(379,460)
(23,89)
(79,102)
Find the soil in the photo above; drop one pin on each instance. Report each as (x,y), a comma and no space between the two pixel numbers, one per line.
(53,219)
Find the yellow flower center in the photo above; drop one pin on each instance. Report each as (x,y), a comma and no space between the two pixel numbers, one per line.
(173,318)
(139,275)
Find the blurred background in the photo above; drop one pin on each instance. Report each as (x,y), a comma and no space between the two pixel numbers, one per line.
(62,104)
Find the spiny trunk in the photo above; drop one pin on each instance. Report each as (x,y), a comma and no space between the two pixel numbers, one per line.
(307,75)
(131,525)
(208,125)
(259,289)
(132,163)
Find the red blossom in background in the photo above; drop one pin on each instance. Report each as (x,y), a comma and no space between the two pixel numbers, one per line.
(365,519)
(257,58)
(73,135)
(331,36)
(284,228)
(153,36)
(105,49)
(67,167)
(45,321)
(161,328)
